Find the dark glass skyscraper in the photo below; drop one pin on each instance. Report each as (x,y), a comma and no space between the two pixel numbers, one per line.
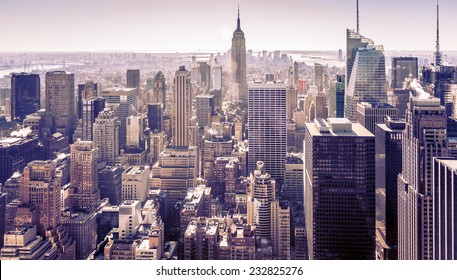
(25,94)
(87,90)
(91,108)
(389,137)
(339,190)
(403,67)
(155,117)
(133,79)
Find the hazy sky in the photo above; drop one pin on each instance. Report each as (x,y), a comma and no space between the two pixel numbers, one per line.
(150,25)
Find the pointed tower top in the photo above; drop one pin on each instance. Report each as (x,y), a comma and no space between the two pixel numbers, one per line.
(238,25)
(358,20)
(438,51)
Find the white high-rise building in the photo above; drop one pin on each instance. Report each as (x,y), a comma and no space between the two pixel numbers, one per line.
(423,139)
(135,183)
(217,76)
(267,127)
(135,127)
(444,195)
(260,197)
(106,135)
(182,107)
(129,219)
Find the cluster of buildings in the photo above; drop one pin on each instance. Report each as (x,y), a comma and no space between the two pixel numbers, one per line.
(293,165)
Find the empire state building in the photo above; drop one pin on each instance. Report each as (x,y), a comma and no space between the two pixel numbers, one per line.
(238,52)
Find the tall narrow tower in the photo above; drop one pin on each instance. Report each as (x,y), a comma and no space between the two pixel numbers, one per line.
(182,107)
(358,18)
(438,53)
(238,52)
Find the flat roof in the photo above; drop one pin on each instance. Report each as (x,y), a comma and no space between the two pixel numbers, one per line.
(356,129)
(449,162)
(267,86)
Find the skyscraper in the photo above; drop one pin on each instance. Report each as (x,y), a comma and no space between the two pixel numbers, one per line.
(402,68)
(423,139)
(293,179)
(205,110)
(87,90)
(319,76)
(354,41)
(296,74)
(238,53)
(16,152)
(25,94)
(339,190)
(83,230)
(124,102)
(280,229)
(175,172)
(38,185)
(133,79)
(267,127)
(110,184)
(129,219)
(90,110)
(106,135)
(134,131)
(367,82)
(182,107)
(336,97)
(215,145)
(83,175)
(388,166)
(369,115)
(60,101)
(217,77)
(159,91)
(135,183)
(204,75)
(155,117)
(261,195)
(444,194)
(292,100)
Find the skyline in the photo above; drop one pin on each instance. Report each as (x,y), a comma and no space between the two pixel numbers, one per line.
(212,27)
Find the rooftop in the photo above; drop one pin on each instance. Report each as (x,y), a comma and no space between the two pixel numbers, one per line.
(337,127)
(367,105)
(136,170)
(294,159)
(6,142)
(451,163)
(267,86)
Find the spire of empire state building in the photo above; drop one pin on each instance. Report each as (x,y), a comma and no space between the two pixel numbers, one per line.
(238,24)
